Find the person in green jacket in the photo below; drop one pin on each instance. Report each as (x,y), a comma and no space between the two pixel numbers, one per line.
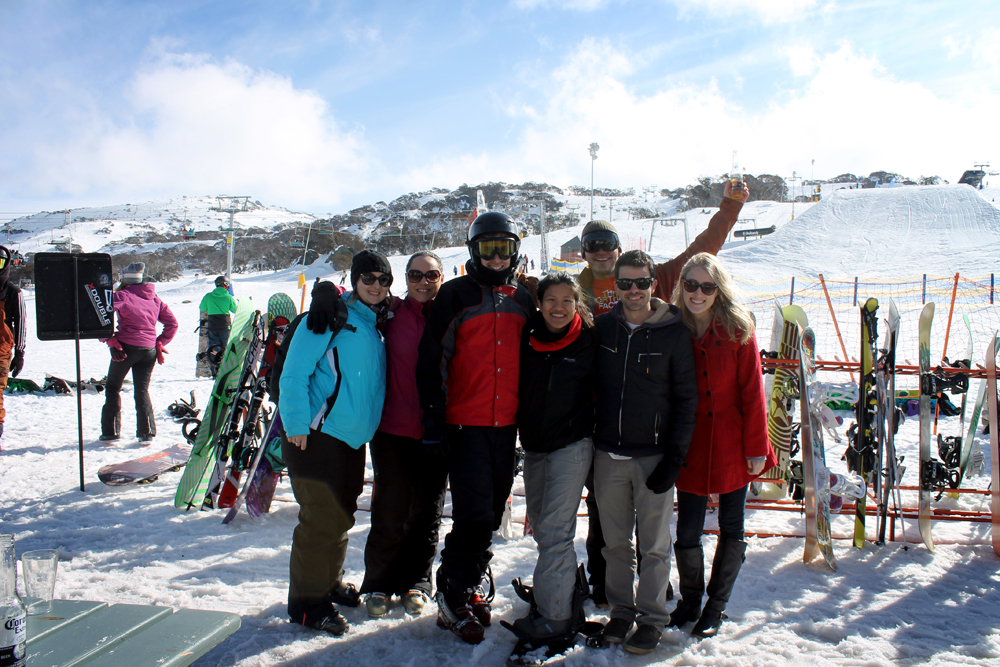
(215,308)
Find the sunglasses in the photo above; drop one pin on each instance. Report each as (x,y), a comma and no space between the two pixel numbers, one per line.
(369,279)
(487,248)
(625,284)
(599,245)
(708,289)
(415,276)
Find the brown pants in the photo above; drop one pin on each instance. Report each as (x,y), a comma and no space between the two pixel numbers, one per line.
(327,479)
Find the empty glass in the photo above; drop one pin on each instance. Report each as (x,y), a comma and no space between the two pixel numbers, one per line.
(39,571)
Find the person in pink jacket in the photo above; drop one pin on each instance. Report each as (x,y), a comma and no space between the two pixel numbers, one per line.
(729,448)
(136,347)
(408,493)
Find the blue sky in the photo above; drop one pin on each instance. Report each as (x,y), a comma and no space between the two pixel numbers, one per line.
(325,106)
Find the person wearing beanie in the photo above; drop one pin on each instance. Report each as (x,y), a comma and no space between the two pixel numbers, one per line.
(135,347)
(215,321)
(332,389)
(471,342)
(13,333)
(601,249)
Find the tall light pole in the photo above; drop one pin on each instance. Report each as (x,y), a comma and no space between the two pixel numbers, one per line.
(793,179)
(593,157)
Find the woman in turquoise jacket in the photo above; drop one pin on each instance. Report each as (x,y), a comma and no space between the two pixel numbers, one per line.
(332,389)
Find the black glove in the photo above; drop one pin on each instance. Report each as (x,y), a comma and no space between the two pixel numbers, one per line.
(435,441)
(118,354)
(17,363)
(664,475)
(323,308)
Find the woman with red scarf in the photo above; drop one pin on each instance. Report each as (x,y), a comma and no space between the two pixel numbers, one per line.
(555,418)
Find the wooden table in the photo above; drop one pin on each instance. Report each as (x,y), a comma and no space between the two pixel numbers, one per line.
(123,635)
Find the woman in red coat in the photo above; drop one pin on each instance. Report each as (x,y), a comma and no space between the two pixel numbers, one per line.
(729,448)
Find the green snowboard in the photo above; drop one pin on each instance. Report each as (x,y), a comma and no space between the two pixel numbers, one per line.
(203,452)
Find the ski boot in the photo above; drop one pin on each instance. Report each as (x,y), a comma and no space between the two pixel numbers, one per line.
(454,611)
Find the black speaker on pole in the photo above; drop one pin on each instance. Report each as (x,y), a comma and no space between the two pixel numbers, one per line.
(69,284)
(73,300)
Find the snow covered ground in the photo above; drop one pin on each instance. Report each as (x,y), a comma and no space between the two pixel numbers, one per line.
(885,605)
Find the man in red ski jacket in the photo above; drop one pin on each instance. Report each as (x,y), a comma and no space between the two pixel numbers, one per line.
(467,374)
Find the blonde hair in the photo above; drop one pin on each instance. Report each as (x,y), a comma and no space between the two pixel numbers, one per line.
(729,306)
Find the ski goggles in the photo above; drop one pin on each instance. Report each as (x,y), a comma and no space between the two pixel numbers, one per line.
(599,245)
(369,279)
(415,276)
(625,284)
(3,261)
(692,286)
(504,247)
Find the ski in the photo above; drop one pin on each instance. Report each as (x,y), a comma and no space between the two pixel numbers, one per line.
(253,449)
(970,436)
(780,415)
(927,468)
(146,468)
(991,377)
(889,469)
(243,413)
(817,478)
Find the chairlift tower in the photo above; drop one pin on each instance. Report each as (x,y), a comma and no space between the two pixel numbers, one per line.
(232,206)
(543,264)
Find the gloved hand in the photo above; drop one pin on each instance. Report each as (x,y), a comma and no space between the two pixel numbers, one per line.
(117,353)
(664,475)
(323,308)
(17,363)
(160,351)
(435,440)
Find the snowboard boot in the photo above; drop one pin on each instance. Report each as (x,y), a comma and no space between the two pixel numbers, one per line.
(482,596)
(455,612)
(323,617)
(537,629)
(343,593)
(691,570)
(729,557)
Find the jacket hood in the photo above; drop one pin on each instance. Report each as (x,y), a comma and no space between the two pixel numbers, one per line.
(664,314)
(143,291)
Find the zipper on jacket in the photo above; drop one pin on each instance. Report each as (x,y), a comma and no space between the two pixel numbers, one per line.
(621,401)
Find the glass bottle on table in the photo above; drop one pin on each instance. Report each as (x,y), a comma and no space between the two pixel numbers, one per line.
(13,615)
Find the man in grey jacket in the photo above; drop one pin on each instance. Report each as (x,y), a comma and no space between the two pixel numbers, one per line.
(646,400)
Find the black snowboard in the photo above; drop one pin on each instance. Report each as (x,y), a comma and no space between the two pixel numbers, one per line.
(529,653)
(145,469)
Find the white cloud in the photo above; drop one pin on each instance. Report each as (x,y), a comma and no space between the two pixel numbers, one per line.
(850,115)
(192,125)
(768,11)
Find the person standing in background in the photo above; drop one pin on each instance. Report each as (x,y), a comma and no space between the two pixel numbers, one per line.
(215,308)
(135,347)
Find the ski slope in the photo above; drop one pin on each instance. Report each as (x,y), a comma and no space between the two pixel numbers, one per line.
(889,605)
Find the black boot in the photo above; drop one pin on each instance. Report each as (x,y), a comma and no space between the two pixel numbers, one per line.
(691,570)
(729,557)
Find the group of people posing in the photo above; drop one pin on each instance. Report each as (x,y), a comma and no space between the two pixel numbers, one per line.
(631,382)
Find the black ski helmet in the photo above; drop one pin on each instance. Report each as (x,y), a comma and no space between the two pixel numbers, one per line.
(492,222)
(221,282)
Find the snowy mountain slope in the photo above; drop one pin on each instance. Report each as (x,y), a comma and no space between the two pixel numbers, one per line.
(883,233)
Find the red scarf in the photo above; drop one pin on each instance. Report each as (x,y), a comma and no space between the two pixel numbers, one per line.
(571,335)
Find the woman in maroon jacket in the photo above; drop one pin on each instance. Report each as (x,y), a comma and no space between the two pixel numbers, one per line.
(408,494)
(729,448)
(137,348)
